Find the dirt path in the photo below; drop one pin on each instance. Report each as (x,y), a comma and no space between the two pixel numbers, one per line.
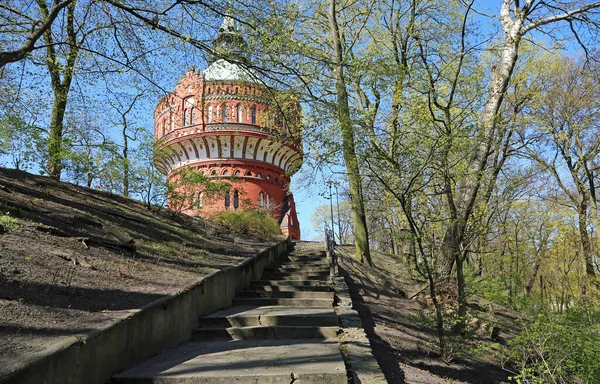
(403,344)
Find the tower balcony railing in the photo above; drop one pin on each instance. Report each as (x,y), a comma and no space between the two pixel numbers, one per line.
(233,126)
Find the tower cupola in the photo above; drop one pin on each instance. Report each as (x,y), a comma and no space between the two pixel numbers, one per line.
(229,44)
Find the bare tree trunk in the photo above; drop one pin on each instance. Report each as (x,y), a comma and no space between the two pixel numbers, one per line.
(60,86)
(536,267)
(585,240)
(361,234)
(55,136)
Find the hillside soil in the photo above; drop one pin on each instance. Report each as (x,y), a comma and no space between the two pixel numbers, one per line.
(76,258)
(400,326)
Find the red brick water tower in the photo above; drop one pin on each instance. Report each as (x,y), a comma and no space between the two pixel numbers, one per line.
(228,125)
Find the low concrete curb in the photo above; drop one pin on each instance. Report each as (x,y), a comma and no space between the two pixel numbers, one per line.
(361,365)
(162,324)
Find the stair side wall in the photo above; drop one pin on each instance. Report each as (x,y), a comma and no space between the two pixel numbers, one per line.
(160,325)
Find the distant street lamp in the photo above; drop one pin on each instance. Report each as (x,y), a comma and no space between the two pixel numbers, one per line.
(331,208)
(337,203)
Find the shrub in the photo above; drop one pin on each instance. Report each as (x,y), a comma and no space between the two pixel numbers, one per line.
(559,348)
(8,222)
(249,222)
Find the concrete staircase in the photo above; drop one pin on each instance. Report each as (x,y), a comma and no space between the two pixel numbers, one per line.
(281,329)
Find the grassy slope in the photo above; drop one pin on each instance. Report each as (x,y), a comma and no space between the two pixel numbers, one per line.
(401,327)
(80,257)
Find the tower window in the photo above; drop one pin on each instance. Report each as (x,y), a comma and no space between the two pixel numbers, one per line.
(236,200)
(239,114)
(185,117)
(227,200)
(224,113)
(210,114)
(261,200)
(198,200)
(253,115)
(192,116)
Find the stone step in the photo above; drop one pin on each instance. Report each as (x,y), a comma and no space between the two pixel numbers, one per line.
(299,266)
(265,333)
(286,294)
(247,316)
(304,259)
(318,254)
(265,286)
(294,276)
(309,270)
(316,284)
(242,362)
(303,264)
(266,301)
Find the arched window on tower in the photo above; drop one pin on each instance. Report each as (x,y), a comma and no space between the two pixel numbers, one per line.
(197,200)
(172,122)
(227,201)
(192,116)
(236,200)
(218,114)
(261,200)
(239,113)
(224,113)
(188,112)
(225,173)
(253,115)
(247,114)
(268,201)
(210,114)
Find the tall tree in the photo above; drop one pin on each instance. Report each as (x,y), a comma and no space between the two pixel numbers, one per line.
(123,106)
(566,142)
(361,233)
